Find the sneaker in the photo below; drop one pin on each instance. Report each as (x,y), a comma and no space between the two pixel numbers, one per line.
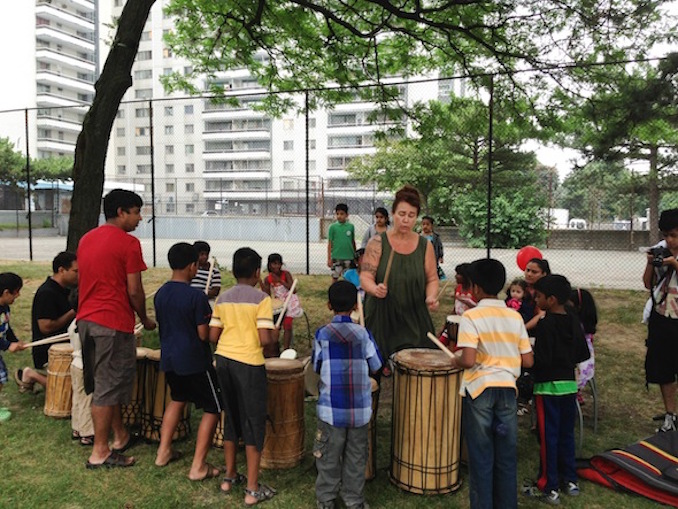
(669,423)
(530,490)
(572,489)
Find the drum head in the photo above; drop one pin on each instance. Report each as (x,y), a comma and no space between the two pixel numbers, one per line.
(290,353)
(423,359)
(454,319)
(283,366)
(375,385)
(61,348)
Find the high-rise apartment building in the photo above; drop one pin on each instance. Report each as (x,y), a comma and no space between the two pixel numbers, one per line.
(216,157)
(50,64)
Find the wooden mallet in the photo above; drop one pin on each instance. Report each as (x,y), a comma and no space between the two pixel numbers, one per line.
(287,300)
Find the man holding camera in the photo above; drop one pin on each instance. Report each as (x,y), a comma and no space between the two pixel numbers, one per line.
(660,277)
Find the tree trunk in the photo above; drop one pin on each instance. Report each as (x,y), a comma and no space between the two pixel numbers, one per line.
(92,144)
(653,191)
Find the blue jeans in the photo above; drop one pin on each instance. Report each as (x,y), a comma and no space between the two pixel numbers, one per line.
(491,429)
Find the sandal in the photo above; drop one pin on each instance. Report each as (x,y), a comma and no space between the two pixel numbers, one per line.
(87,441)
(75,435)
(211,473)
(233,481)
(19,379)
(262,494)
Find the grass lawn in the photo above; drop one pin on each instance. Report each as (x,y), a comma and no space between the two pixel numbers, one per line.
(42,467)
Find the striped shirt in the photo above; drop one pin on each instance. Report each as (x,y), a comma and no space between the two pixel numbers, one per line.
(499,336)
(200,279)
(344,353)
(241,312)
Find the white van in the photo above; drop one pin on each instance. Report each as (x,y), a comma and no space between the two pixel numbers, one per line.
(577,224)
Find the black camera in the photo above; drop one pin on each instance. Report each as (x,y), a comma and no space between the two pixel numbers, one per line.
(659,254)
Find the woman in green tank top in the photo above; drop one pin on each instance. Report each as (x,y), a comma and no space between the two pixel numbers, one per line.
(398,274)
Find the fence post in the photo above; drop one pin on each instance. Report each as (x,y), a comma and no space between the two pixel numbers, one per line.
(488,234)
(150,134)
(308,207)
(28,191)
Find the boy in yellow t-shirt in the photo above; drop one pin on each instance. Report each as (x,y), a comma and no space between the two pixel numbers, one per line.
(241,325)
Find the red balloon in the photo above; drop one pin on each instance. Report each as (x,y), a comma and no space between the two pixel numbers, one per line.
(526,254)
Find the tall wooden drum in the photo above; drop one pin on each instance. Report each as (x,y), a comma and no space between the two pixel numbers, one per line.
(59,391)
(218,437)
(284,442)
(426,422)
(371,468)
(131,414)
(157,395)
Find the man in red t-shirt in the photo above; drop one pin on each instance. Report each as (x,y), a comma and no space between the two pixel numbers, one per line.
(111,290)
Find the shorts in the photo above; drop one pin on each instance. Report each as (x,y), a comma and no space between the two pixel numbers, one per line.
(244,397)
(340,266)
(109,363)
(661,361)
(202,389)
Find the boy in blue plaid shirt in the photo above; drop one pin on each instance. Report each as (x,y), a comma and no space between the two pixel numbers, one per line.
(344,353)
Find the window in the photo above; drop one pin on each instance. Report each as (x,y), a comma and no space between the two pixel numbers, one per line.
(169,207)
(146,35)
(188,109)
(143,93)
(190,187)
(169,187)
(143,151)
(120,114)
(311,123)
(188,129)
(144,55)
(167,71)
(141,112)
(141,131)
(288,124)
(189,149)
(118,3)
(169,129)
(121,169)
(288,145)
(190,208)
(120,131)
(188,69)
(144,74)
(311,144)
(166,53)
(121,151)
(143,169)
(288,165)
(169,149)
(169,168)
(169,111)
(190,168)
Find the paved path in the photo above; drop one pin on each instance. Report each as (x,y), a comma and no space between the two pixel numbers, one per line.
(606,269)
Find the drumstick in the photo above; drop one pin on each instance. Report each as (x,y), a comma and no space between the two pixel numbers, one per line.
(388,266)
(441,346)
(209,276)
(442,289)
(361,314)
(59,338)
(287,300)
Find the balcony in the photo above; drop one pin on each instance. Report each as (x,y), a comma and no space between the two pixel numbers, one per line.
(55,36)
(52,56)
(55,146)
(46,10)
(50,100)
(58,80)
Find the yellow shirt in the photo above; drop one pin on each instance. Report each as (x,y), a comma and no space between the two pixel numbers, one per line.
(499,336)
(241,312)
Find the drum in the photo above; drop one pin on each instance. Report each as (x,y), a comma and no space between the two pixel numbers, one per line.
(426,422)
(371,468)
(311,378)
(155,398)
(218,438)
(131,414)
(59,391)
(452,325)
(284,442)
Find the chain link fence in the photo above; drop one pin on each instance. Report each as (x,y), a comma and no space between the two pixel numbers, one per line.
(229,173)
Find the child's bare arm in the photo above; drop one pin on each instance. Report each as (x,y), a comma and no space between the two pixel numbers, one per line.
(214,334)
(17,346)
(527,359)
(204,332)
(467,359)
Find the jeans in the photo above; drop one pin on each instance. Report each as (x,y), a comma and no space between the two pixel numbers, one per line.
(555,422)
(340,458)
(491,428)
